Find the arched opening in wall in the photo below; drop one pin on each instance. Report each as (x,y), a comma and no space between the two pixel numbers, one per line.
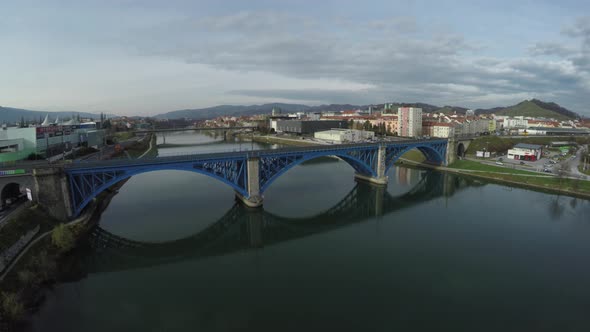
(460,150)
(10,193)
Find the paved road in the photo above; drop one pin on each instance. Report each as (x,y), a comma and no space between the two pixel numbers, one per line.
(575,162)
(8,211)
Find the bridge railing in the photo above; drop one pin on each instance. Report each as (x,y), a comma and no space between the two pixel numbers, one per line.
(243,154)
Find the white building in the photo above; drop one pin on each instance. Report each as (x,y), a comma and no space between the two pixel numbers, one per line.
(438,129)
(473,127)
(409,121)
(516,122)
(18,143)
(344,135)
(522,151)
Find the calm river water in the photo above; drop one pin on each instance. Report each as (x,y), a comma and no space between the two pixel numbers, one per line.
(431,252)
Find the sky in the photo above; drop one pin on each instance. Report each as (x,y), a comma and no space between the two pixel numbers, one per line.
(151,57)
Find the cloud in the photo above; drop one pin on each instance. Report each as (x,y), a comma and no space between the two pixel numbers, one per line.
(386,54)
(549,49)
(328,56)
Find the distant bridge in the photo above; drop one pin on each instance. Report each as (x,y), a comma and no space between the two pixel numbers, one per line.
(145,131)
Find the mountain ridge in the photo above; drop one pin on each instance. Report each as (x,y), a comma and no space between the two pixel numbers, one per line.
(533,107)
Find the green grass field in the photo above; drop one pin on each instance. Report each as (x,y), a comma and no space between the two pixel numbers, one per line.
(528,108)
(475,166)
(123,135)
(414,155)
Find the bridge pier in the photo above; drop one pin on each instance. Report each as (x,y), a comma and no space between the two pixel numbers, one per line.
(52,192)
(381,178)
(254,198)
(451,154)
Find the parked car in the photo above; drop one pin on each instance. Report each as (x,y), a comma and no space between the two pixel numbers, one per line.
(546,170)
(499,163)
(522,163)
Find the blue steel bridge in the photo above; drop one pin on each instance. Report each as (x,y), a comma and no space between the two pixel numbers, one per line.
(243,229)
(249,173)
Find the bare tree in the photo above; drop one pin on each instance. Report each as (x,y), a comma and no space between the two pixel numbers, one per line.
(562,170)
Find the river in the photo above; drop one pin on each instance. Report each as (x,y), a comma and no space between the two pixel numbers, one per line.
(432,251)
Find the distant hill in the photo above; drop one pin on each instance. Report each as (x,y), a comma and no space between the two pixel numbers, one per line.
(11,115)
(452,110)
(533,108)
(212,112)
(334,108)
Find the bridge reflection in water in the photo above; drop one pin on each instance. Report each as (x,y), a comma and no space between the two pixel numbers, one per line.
(242,228)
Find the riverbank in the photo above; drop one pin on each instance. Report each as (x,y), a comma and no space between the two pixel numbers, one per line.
(39,266)
(561,186)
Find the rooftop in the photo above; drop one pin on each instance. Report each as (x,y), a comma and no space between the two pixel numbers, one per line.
(528,146)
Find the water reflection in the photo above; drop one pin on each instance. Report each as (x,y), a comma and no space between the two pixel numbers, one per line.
(243,228)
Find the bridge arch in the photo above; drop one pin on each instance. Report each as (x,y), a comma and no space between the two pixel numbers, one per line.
(86,185)
(275,168)
(434,153)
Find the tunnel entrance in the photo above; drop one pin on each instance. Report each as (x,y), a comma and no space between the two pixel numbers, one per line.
(10,193)
(460,150)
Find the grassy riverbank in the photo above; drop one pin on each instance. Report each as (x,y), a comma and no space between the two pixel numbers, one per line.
(46,260)
(517,178)
(572,187)
(475,166)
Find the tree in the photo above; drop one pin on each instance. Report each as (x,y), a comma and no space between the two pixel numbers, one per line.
(43,265)
(27,278)
(62,237)
(11,306)
(562,172)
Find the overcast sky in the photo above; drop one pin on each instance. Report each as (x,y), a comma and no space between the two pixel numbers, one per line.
(149,57)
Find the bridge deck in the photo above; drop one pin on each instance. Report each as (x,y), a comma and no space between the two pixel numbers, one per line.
(241,154)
